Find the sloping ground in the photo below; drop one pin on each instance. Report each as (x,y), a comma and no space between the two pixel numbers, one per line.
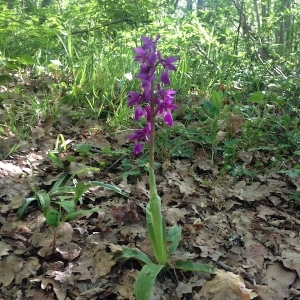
(240,226)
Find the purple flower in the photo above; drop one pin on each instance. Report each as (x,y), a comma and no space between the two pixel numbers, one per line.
(134,98)
(165,79)
(158,101)
(165,104)
(139,135)
(138,147)
(138,113)
(167,63)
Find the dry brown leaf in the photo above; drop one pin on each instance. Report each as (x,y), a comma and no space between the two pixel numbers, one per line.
(65,276)
(279,279)
(245,156)
(69,251)
(124,214)
(291,260)
(59,289)
(44,240)
(188,287)
(235,123)
(221,135)
(13,192)
(9,268)
(104,260)
(126,282)
(4,248)
(141,186)
(254,253)
(226,285)
(265,211)
(254,192)
(30,267)
(173,215)
(83,267)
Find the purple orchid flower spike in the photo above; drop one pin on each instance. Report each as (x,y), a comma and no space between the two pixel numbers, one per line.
(151,102)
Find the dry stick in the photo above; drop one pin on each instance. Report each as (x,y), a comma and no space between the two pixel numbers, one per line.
(235,271)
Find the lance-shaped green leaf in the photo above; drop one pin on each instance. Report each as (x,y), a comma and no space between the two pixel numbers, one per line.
(155,223)
(109,187)
(80,212)
(174,235)
(27,202)
(146,281)
(133,253)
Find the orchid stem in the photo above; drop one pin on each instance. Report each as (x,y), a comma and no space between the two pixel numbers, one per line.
(159,239)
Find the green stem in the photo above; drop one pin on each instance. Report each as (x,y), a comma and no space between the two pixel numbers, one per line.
(152,134)
(156,224)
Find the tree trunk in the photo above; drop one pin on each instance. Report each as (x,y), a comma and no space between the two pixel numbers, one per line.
(200,4)
(189,4)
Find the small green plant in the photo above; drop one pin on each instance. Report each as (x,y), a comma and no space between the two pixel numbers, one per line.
(213,110)
(60,204)
(10,151)
(154,100)
(84,149)
(60,146)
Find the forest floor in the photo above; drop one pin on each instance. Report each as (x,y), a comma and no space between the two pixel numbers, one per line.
(248,229)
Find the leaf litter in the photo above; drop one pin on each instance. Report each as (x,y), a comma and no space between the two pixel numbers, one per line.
(247,228)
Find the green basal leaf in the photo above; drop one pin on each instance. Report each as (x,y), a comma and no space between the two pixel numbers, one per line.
(109,187)
(133,253)
(174,235)
(130,173)
(80,189)
(191,266)
(55,160)
(146,281)
(217,98)
(5,78)
(65,198)
(63,190)
(68,206)
(60,181)
(76,213)
(27,202)
(84,170)
(26,59)
(257,97)
(44,199)
(210,108)
(156,228)
(294,196)
(52,217)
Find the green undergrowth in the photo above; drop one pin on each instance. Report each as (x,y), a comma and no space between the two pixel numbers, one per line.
(48,71)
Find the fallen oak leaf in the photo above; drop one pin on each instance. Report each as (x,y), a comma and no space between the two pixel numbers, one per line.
(226,285)
(10,266)
(124,214)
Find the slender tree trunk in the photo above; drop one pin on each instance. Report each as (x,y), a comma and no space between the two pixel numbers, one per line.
(189,4)
(288,25)
(176,4)
(200,4)
(255,4)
